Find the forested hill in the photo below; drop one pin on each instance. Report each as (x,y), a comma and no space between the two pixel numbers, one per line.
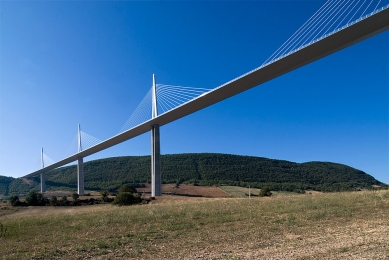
(202,169)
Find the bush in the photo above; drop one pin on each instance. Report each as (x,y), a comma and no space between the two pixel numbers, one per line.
(64,201)
(104,195)
(126,198)
(265,192)
(3,230)
(127,188)
(54,201)
(14,200)
(35,199)
(75,196)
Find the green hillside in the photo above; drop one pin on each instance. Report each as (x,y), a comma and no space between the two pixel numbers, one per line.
(202,169)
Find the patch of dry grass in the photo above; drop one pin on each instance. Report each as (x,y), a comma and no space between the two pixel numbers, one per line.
(331,226)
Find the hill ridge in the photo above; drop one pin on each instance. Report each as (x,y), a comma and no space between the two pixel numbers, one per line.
(202,169)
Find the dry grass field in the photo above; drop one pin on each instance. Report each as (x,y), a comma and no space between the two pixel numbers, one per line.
(350,225)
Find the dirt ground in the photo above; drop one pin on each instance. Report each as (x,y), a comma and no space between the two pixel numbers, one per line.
(188,190)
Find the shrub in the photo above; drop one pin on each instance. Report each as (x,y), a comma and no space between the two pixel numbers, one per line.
(35,199)
(3,230)
(14,200)
(104,195)
(127,188)
(265,192)
(54,201)
(64,201)
(75,196)
(126,198)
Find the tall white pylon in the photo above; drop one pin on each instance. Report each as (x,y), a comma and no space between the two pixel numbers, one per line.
(156,187)
(79,139)
(80,166)
(154,99)
(43,181)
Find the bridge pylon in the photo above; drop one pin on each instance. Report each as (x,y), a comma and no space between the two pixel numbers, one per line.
(156,187)
(80,166)
(43,180)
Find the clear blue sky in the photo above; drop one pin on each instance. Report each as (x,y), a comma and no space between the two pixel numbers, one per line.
(65,63)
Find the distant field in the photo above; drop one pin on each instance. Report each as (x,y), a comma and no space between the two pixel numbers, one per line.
(188,189)
(349,225)
(238,192)
(241,192)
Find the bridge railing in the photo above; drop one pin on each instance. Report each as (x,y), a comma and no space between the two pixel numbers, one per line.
(326,35)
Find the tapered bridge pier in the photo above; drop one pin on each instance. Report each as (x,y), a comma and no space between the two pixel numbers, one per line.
(80,166)
(156,187)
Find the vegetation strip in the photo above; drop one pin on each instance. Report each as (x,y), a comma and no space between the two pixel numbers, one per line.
(204,169)
(334,225)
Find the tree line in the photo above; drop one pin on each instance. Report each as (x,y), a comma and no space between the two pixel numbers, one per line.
(205,169)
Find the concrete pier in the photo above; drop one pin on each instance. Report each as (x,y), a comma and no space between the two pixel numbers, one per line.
(80,176)
(80,166)
(156,187)
(43,183)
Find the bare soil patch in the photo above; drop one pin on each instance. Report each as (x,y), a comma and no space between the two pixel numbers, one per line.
(27,181)
(188,190)
(60,193)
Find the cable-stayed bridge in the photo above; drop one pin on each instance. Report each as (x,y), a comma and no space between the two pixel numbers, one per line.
(335,26)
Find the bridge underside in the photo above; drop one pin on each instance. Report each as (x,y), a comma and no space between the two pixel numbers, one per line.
(355,33)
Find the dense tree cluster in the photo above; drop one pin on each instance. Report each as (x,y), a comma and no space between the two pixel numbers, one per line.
(37,199)
(4,183)
(203,169)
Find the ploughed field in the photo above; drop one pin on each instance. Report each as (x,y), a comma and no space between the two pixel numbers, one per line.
(188,190)
(348,225)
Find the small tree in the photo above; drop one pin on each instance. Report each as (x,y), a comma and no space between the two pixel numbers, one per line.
(54,201)
(64,201)
(127,188)
(75,196)
(14,200)
(35,199)
(104,195)
(126,198)
(265,192)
